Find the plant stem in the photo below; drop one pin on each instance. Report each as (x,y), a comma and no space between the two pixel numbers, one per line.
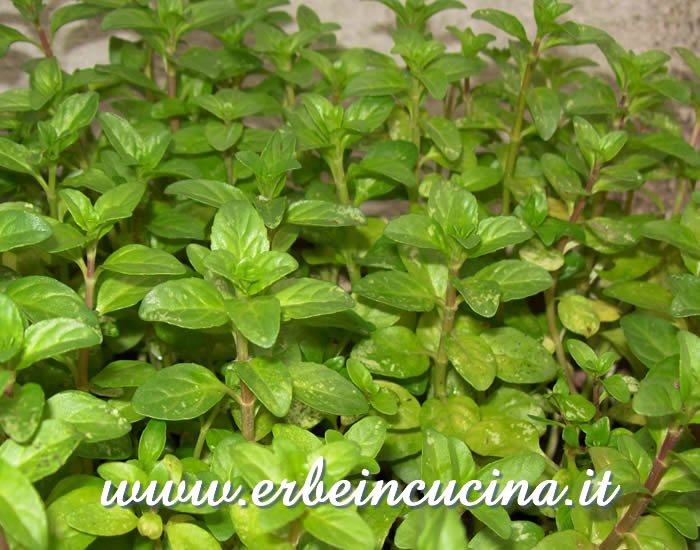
(90,280)
(228,162)
(3,541)
(595,397)
(515,135)
(51,191)
(549,299)
(439,374)
(335,163)
(684,185)
(172,80)
(247,396)
(338,173)
(581,203)
(638,507)
(45,44)
(467,97)
(201,438)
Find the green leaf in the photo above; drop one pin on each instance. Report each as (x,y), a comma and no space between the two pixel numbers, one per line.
(136,259)
(210,192)
(42,298)
(152,443)
(657,396)
(183,536)
(17,158)
(445,135)
(46,80)
(578,314)
(415,230)
(269,380)
(258,319)
(369,434)
(96,420)
(524,536)
(674,146)
(187,303)
(367,113)
(472,359)
(686,294)
(641,294)
(340,527)
(499,232)
(611,144)
(617,387)
(306,297)
(50,449)
(521,359)
(89,516)
(690,58)
(650,339)
(397,289)
(19,228)
(75,112)
(179,392)
(562,177)
(325,390)
(455,209)
(20,413)
(123,137)
(53,337)
(119,203)
(376,82)
(22,514)
(545,110)
(672,233)
(504,21)
(393,352)
(323,214)
(240,230)
(74,12)
(130,19)
(567,538)
(11,329)
(516,279)
(9,36)
(481,296)
(502,437)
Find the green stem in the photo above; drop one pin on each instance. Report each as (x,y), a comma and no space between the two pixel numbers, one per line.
(515,132)
(684,184)
(439,373)
(51,191)
(338,173)
(341,187)
(247,396)
(549,299)
(171,72)
(204,429)
(639,505)
(228,162)
(90,280)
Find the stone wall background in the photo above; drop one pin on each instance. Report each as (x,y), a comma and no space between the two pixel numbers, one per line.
(635,24)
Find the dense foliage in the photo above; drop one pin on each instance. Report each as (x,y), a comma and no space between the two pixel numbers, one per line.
(204,277)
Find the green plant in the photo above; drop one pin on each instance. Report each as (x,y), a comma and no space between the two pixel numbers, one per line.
(187,293)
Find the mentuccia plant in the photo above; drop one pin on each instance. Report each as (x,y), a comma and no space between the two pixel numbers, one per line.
(238,246)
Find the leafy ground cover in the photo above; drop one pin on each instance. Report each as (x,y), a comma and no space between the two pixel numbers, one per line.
(190,287)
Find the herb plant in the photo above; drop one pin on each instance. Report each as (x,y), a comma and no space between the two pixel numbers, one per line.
(222,264)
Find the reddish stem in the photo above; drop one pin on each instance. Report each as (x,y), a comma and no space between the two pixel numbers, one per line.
(45,45)
(639,506)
